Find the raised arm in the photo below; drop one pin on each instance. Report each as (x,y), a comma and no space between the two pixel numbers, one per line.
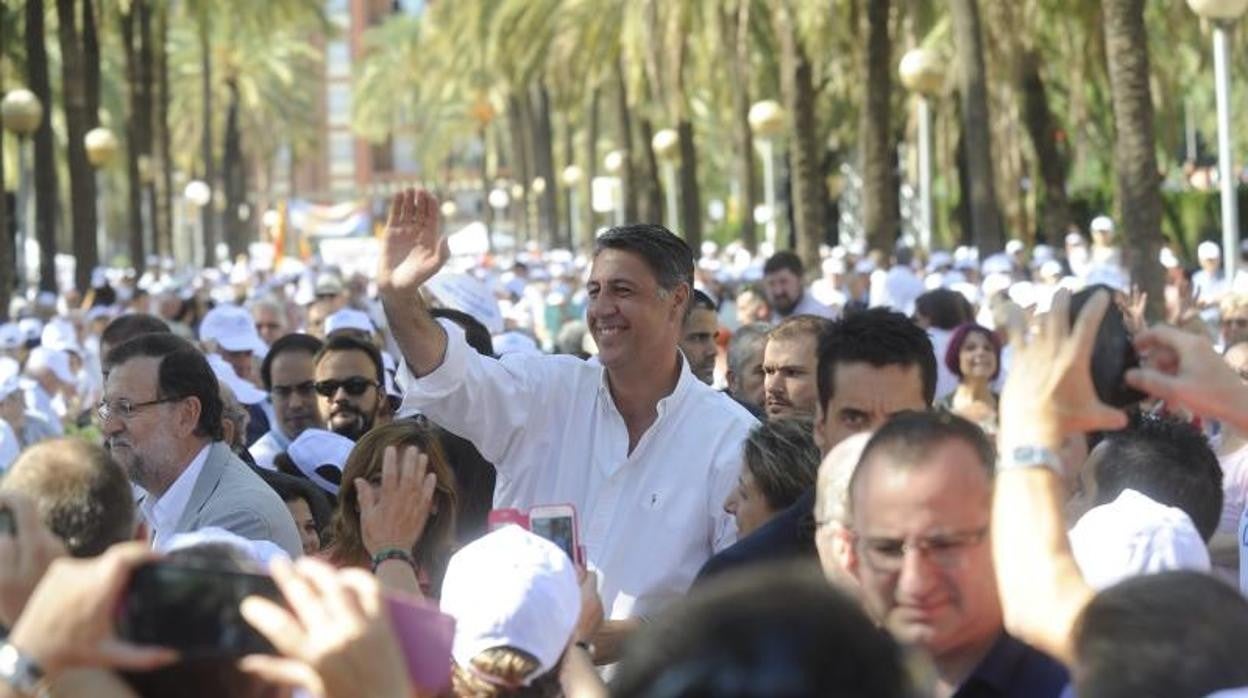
(412,251)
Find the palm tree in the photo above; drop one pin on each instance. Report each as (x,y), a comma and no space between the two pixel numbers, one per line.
(879,159)
(136,47)
(972,88)
(1135,157)
(798,87)
(78,120)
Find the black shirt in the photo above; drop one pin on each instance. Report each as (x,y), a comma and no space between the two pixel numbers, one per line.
(1014,669)
(791,533)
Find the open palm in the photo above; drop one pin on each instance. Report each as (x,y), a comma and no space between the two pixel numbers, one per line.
(413,249)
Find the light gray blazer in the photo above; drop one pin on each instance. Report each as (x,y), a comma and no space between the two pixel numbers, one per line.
(229,495)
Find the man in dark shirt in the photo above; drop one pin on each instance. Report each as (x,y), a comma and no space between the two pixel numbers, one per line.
(919,512)
(871,365)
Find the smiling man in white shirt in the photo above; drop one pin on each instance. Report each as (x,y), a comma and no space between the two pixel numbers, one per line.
(161,419)
(643,450)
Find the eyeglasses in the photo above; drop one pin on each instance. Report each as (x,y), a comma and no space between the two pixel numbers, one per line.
(304,389)
(125,410)
(887,555)
(355,386)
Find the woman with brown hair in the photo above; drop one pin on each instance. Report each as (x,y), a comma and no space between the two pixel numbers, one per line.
(396,508)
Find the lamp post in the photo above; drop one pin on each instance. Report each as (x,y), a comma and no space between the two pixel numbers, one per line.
(1222,14)
(666,144)
(767,121)
(198,194)
(921,72)
(571,177)
(22,112)
(101,147)
(614,164)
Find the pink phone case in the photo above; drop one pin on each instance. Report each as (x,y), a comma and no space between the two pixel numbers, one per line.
(425,635)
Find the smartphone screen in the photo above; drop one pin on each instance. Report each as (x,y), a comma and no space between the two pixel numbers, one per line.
(559,530)
(193,610)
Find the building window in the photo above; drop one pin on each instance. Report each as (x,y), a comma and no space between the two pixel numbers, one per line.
(341,154)
(338,59)
(339,98)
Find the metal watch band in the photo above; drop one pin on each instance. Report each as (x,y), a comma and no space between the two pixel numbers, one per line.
(18,670)
(1022,457)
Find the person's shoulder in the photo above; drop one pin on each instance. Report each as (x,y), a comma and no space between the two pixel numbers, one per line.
(719,407)
(1036,674)
(787,534)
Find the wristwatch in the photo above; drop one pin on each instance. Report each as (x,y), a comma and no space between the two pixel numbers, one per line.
(1021,457)
(19,671)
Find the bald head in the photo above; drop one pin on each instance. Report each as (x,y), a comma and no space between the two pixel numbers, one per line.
(81,493)
(832,506)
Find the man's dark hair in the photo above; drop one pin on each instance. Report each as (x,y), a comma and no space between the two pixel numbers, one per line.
(944,309)
(349,343)
(879,337)
(771,631)
(184,372)
(1169,461)
(703,301)
(291,487)
(909,438)
(784,259)
(81,493)
(1176,633)
(903,255)
(296,341)
(477,335)
(126,327)
(668,256)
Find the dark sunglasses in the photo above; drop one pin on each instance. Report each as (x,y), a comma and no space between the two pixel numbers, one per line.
(355,386)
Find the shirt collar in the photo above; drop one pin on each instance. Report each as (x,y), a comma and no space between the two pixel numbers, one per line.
(998,667)
(668,401)
(163,513)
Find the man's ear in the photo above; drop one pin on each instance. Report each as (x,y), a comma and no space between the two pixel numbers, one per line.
(188,413)
(681,297)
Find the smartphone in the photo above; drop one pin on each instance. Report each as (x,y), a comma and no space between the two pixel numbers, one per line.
(497,518)
(8,524)
(557,524)
(425,635)
(1113,354)
(193,610)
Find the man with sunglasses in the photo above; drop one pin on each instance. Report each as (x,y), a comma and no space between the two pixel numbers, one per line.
(919,514)
(350,380)
(161,419)
(288,374)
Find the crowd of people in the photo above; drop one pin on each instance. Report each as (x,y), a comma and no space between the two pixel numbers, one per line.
(916,475)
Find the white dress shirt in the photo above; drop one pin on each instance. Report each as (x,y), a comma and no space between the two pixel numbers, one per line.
(162,514)
(648,519)
(808,305)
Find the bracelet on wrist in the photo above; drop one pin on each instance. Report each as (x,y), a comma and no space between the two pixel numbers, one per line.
(392,553)
(22,673)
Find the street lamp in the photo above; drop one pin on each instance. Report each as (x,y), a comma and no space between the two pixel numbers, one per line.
(22,112)
(1222,14)
(666,144)
(922,73)
(197,194)
(767,121)
(101,146)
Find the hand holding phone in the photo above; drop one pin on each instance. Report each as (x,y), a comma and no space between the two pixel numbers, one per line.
(1113,353)
(557,523)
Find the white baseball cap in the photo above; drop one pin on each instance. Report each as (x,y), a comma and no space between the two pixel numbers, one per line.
(246,393)
(1208,250)
(260,551)
(60,334)
(511,588)
(1014,247)
(32,329)
(997,264)
(54,360)
(233,329)
(1102,224)
(320,456)
(10,377)
(1135,535)
(1168,259)
(1074,239)
(348,319)
(1051,269)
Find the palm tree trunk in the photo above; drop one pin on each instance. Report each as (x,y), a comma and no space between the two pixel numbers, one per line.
(972,86)
(163,198)
(650,186)
(586,192)
(7,239)
(544,167)
(208,212)
(880,209)
(521,171)
(143,129)
(624,121)
(46,204)
(134,143)
(232,170)
(690,197)
(809,193)
(91,61)
(77,123)
(1135,156)
(735,21)
(1054,207)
